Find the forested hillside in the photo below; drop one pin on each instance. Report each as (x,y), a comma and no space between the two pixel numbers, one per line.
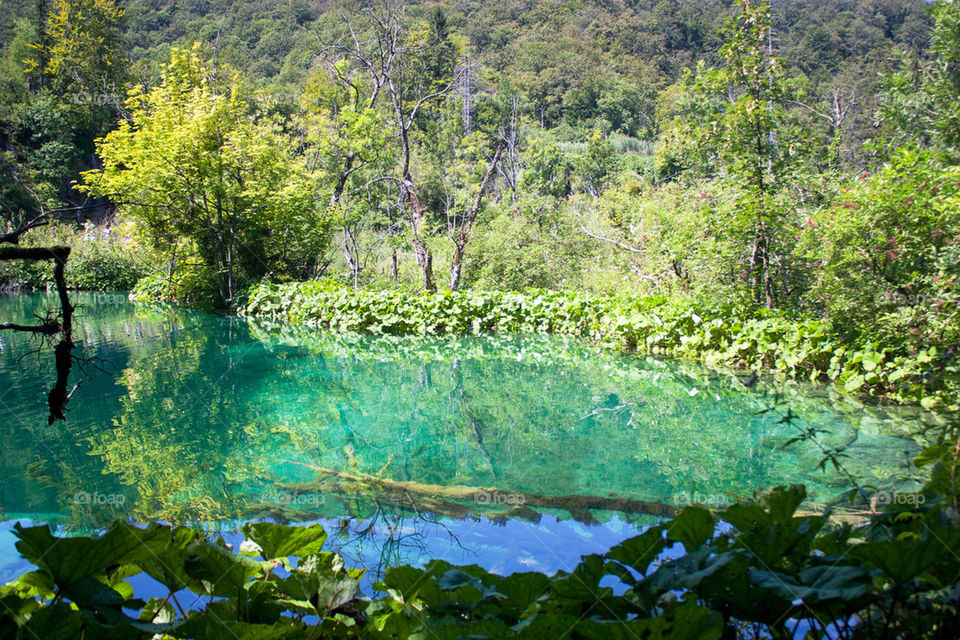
(578,66)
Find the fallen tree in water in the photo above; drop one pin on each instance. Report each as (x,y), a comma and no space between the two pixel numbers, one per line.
(460,501)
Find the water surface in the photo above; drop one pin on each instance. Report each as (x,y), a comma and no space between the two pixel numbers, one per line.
(186,416)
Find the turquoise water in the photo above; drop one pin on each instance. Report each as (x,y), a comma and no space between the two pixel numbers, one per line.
(185,416)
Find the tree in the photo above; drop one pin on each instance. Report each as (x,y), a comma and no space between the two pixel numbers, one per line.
(547,171)
(82,48)
(204,172)
(921,100)
(416,68)
(751,132)
(732,126)
(597,165)
(346,149)
(833,107)
(66,72)
(460,223)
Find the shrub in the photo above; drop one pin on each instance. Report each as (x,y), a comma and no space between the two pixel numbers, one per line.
(101,259)
(888,251)
(191,284)
(769,570)
(530,245)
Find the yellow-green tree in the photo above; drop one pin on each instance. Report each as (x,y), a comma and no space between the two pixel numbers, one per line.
(81,48)
(210,178)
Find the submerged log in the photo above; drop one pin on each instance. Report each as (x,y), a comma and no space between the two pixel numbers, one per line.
(462,501)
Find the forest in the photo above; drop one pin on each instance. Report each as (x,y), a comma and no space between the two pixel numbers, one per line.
(769,189)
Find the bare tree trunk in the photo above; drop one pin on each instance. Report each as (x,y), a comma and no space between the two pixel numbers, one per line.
(425,260)
(465,95)
(352,255)
(761,281)
(455,267)
(767,275)
(420,249)
(462,236)
(63,353)
(512,152)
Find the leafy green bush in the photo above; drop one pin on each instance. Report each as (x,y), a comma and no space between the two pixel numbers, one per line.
(721,335)
(191,284)
(530,245)
(99,261)
(888,251)
(768,570)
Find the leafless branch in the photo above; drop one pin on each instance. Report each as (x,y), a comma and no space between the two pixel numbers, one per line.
(623,246)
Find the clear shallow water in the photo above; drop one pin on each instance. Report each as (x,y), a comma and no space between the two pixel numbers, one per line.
(185,416)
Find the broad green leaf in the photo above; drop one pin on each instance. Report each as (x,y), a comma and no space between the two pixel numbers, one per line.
(782,502)
(454,579)
(158,610)
(692,527)
(219,572)
(903,560)
(639,551)
(33,583)
(70,560)
(840,583)
(279,540)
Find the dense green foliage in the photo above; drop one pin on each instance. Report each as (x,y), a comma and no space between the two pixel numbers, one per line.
(885,252)
(605,114)
(101,259)
(766,572)
(722,336)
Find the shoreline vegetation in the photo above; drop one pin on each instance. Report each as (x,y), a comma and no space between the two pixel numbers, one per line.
(765,566)
(758,341)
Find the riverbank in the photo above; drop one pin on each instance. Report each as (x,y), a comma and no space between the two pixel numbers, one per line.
(756,340)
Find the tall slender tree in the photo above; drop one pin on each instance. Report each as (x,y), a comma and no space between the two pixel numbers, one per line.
(415,67)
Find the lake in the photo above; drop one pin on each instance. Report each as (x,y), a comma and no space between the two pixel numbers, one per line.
(507,451)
